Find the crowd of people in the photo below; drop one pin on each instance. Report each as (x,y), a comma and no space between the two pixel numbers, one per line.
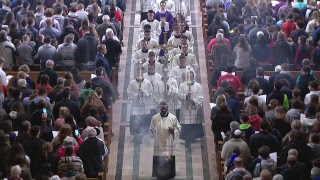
(273,131)
(52,127)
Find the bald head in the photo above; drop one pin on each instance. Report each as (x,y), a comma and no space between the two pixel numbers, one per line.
(15,171)
(238,162)
(293,152)
(265,175)
(291,160)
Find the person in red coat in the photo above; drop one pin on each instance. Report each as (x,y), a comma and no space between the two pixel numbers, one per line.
(289,26)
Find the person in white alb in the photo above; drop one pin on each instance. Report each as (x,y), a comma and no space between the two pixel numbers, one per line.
(152,60)
(140,56)
(190,95)
(166,90)
(187,33)
(139,91)
(165,130)
(179,72)
(153,77)
(2,73)
(154,24)
(191,59)
(151,43)
(313,88)
(177,50)
(175,38)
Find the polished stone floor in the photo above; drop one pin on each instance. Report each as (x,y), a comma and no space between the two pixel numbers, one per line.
(134,161)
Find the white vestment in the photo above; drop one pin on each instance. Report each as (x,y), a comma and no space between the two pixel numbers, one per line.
(190,115)
(191,60)
(158,67)
(170,6)
(176,51)
(155,26)
(140,105)
(167,92)
(153,79)
(152,35)
(182,6)
(164,141)
(179,74)
(150,44)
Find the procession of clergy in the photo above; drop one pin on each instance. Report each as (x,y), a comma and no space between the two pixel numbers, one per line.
(165,81)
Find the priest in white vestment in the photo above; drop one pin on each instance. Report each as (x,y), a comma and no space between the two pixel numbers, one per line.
(191,59)
(190,94)
(139,91)
(152,60)
(179,72)
(165,130)
(150,41)
(154,24)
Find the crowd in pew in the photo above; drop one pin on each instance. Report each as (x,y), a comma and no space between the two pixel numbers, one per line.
(57,125)
(258,113)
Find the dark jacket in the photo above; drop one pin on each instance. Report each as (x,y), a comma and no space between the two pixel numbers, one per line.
(263,138)
(297,33)
(234,106)
(316,36)
(66,31)
(264,85)
(292,173)
(303,85)
(30,83)
(36,117)
(86,48)
(304,151)
(248,130)
(220,122)
(26,92)
(74,108)
(90,152)
(53,76)
(101,61)
(54,91)
(33,148)
(279,96)
(302,169)
(59,97)
(106,87)
(217,74)
(287,77)
(261,52)
(253,34)
(248,74)
(114,51)
(281,53)
(23,137)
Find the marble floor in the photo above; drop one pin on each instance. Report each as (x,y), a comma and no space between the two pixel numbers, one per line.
(134,161)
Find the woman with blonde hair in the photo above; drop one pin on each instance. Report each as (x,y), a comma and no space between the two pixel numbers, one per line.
(92,101)
(64,132)
(312,24)
(60,121)
(221,118)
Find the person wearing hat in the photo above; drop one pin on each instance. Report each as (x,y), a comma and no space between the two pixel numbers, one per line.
(190,95)
(236,141)
(154,24)
(91,151)
(165,129)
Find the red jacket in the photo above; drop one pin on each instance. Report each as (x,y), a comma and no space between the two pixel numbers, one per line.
(254,121)
(288,27)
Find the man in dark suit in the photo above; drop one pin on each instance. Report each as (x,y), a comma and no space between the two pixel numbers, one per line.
(74,107)
(101,61)
(53,76)
(59,96)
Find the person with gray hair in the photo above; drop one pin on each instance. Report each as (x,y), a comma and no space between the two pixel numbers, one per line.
(301,167)
(219,36)
(50,72)
(26,92)
(56,89)
(277,177)
(15,172)
(82,14)
(101,61)
(315,173)
(101,29)
(109,34)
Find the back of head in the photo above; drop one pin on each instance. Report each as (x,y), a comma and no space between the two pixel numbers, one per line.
(265,175)
(277,177)
(15,171)
(229,68)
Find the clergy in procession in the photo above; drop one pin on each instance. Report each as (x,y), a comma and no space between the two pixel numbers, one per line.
(152,35)
(178,50)
(139,91)
(163,13)
(165,130)
(182,7)
(191,59)
(190,95)
(175,38)
(150,41)
(153,77)
(167,90)
(152,60)
(179,72)
(170,6)
(154,24)
(140,56)
(187,33)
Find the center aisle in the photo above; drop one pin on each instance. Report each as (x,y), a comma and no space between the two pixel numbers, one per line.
(134,161)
